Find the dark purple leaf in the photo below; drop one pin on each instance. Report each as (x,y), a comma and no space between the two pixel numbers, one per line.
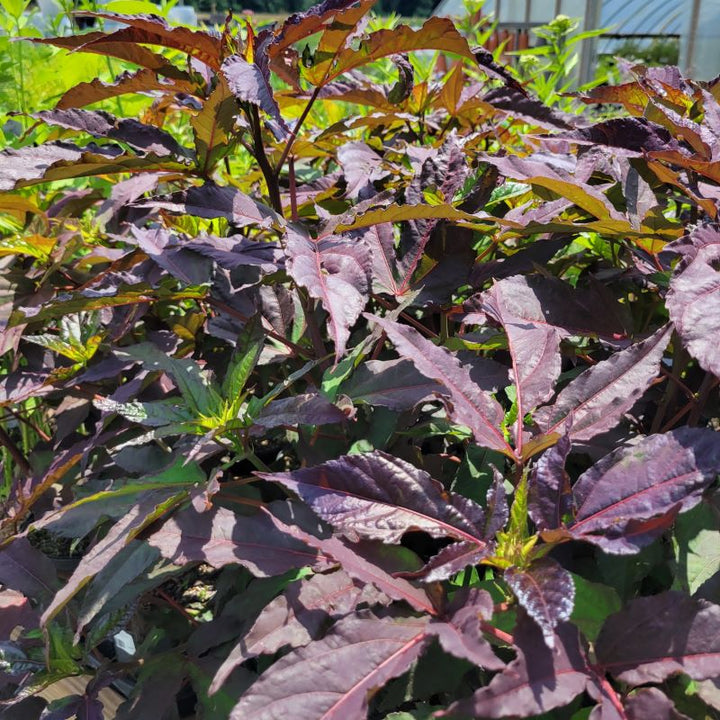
(496,505)
(250,82)
(537,681)
(101,124)
(237,251)
(394,384)
(360,165)
(461,634)
(357,657)
(658,476)
(370,569)
(306,409)
(124,193)
(212,201)
(16,611)
(534,344)
(519,105)
(636,135)
(487,62)
(443,173)
(295,618)
(381,497)
(549,498)
(651,704)
(335,270)
(467,404)
(598,398)
(219,537)
(450,560)
(522,261)
(27,570)
(546,591)
(693,300)
(656,637)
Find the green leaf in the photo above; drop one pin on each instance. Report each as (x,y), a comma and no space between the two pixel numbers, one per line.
(697,547)
(195,386)
(247,353)
(593,603)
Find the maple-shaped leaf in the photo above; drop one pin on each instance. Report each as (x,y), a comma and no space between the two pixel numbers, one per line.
(537,681)
(460,633)
(378,496)
(655,637)
(631,496)
(693,300)
(467,404)
(546,591)
(549,498)
(332,678)
(599,397)
(296,617)
(335,270)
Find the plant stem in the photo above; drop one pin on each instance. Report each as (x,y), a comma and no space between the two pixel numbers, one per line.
(263,162)
(20,460)
(295,130)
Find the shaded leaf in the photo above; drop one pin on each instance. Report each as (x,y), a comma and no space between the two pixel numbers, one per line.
(467,404)
(295,618)
(450,560)
(655,637)
(357,657)
(101,124)
(546,591)
(150,507)
(461,634)
(693,300)
(658,476)
(305,409)
(651,703)
(219,537)
(598,398)
(529,684)
(394,384)
(549,499)
(27,570)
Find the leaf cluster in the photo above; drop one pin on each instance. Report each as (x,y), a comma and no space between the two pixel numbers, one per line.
(352,380)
